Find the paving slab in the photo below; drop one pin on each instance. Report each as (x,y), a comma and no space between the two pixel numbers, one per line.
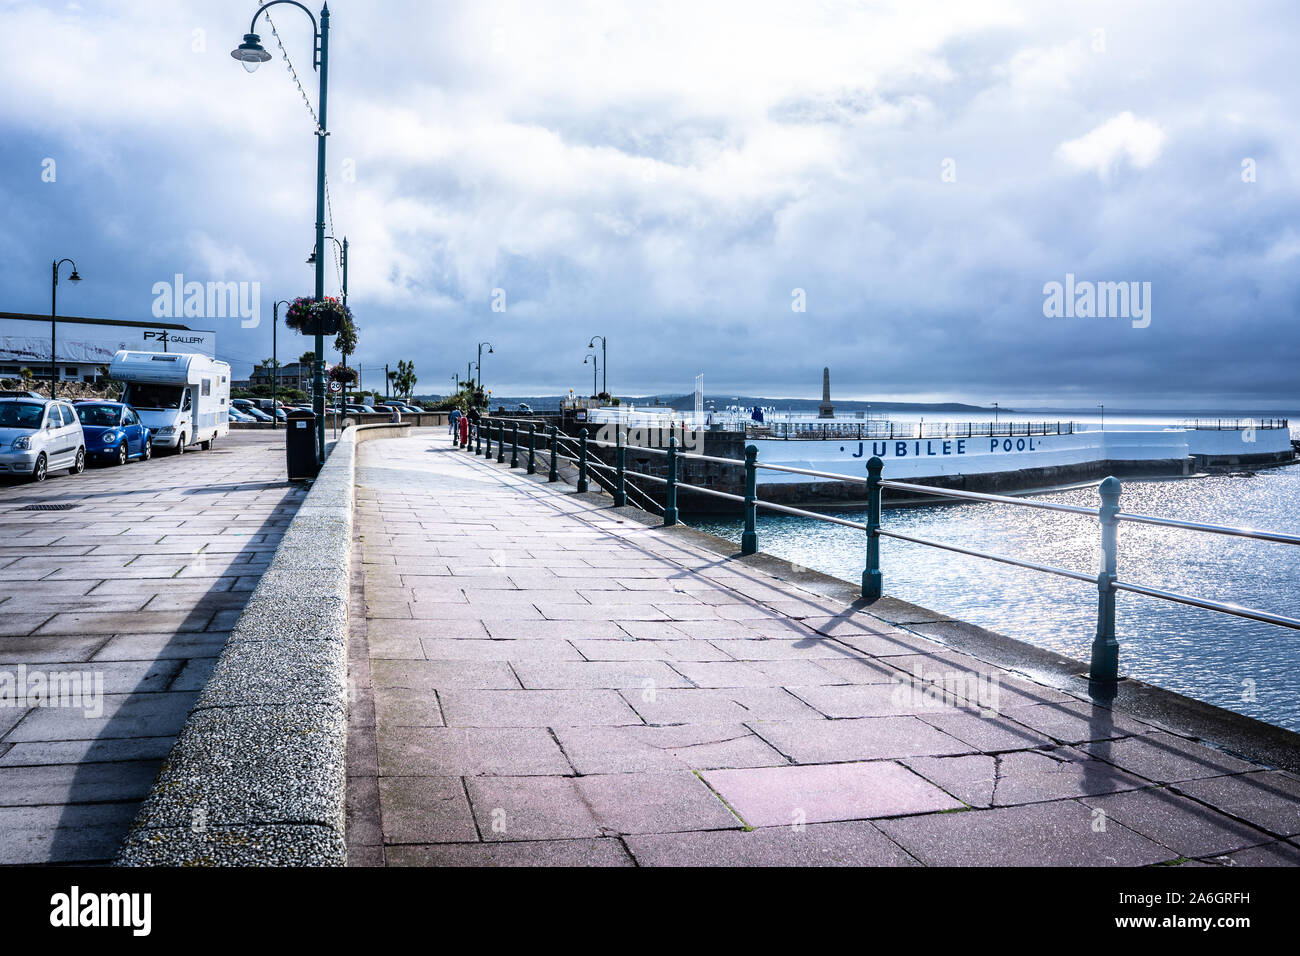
(542,680)
(856,843)
(821,793)
(1063,833)
(142,581)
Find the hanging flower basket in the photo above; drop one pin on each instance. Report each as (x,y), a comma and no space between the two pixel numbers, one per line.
(342,374)
(317,316)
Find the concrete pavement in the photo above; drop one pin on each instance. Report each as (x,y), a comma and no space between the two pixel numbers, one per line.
(538,679)
(132,592)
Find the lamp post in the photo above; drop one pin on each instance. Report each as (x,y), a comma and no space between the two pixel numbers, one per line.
(54,311)
(995,413)
(604,360)
(1103,415)
(479,366)
(595,361)
(251,55)
(275,359)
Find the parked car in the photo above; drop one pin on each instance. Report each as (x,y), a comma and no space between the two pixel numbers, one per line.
(524,408)
(114,433)
(38,436)
(235,415)
(360,409)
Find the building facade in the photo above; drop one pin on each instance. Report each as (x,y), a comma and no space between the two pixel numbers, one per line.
(83,347)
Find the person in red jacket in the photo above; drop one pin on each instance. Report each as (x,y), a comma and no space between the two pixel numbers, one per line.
(463,425)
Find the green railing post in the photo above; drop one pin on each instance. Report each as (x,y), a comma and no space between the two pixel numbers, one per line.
(872,585)
(478,437)
(532,448)
(670,496)
(1105,648)
(501,442)
(582,461)
(514,444)
(487,451)
(620,488)
(749,540)
(554,474)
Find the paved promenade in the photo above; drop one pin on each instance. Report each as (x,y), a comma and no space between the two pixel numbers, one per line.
(537,679)
(132,591)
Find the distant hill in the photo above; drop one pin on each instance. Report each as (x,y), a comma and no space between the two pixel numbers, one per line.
(687,403)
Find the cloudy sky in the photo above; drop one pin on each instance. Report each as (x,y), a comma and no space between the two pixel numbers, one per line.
(682,177)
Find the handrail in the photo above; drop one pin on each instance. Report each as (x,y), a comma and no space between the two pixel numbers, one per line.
(1104,667)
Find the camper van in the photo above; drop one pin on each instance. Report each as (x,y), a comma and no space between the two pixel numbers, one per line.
(182,397)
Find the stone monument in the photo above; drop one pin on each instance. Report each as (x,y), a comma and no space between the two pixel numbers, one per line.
(826,409)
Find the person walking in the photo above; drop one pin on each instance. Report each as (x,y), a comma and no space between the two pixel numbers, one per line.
(474,419)
(463,425)
(452,421)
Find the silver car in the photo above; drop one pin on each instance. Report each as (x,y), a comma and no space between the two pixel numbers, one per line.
(38,436)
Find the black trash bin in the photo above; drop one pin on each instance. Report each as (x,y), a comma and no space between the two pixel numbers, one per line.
(300,445)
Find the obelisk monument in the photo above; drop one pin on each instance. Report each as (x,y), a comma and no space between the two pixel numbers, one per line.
(826,409)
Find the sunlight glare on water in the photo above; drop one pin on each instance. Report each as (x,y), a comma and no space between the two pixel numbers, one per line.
(1240,665)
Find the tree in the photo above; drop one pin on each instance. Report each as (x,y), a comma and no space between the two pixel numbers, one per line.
(307,358)
(404,378)
(270,363)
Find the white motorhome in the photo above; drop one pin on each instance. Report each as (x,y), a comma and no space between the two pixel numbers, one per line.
(182,397)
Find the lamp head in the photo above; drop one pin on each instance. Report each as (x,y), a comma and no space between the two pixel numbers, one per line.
(75,277)
(250,53)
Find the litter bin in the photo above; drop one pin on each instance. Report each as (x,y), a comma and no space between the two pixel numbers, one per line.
(300,445)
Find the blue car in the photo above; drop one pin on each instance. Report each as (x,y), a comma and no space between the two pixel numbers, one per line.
(114,432)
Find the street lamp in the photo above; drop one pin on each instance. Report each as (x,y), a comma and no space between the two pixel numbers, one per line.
(54,310)
(275,358)
(479,366)
(251,55)
(595,361)
(1103,415)
(604,359)
(995,413)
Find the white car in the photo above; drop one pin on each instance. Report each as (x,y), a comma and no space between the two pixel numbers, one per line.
(38,436)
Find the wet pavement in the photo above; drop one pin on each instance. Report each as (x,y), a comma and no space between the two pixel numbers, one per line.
(537,680)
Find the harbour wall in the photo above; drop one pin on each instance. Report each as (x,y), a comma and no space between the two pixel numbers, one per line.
(985,464)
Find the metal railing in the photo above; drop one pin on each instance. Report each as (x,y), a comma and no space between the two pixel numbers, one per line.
(1104,664)
(1234,424)
(883,429)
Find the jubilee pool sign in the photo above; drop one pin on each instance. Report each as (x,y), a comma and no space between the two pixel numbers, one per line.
(940,447)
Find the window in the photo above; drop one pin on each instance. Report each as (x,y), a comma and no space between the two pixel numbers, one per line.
(206,388)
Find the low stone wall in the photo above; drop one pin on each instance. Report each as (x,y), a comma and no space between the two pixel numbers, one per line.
(256,777)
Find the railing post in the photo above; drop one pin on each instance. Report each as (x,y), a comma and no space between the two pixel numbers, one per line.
(478,437)
(670,495)
(554,474)
(872,583)
(749,540)
(501,442)
(1105,648)
(487,450)
(582,461)
(532,448)
(620,488)
(514,444)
